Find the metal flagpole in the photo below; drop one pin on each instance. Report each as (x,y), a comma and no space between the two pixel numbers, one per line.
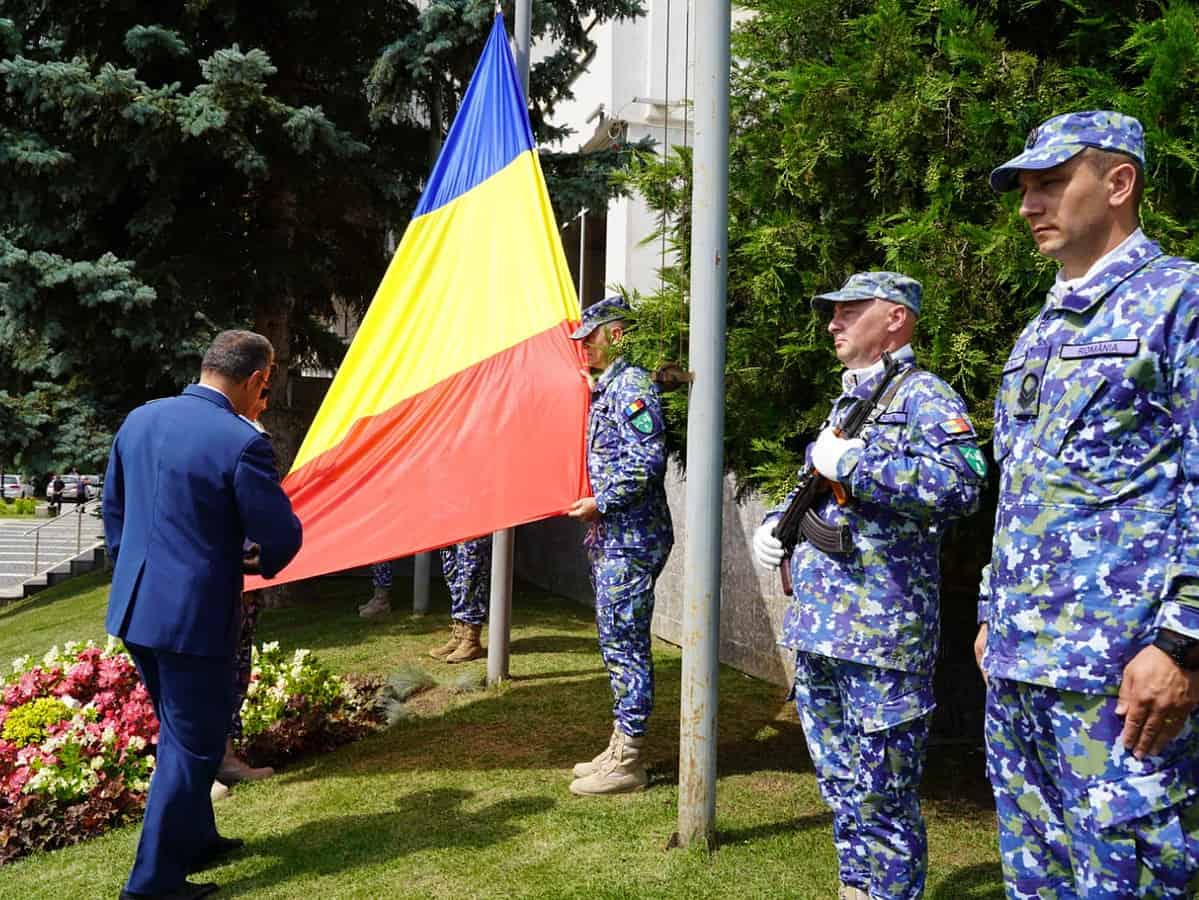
(499,630)
(705,428)
(420,583)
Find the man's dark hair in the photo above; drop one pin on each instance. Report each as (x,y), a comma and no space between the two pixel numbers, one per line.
(237,355)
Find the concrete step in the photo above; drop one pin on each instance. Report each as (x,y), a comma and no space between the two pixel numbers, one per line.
(88,560)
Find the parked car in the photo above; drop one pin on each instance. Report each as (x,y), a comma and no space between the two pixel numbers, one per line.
(16,487)
(75,489)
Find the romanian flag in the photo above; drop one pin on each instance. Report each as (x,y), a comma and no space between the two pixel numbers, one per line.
(460,408)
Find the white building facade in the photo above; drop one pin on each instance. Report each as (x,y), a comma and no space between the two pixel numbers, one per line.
(638,85)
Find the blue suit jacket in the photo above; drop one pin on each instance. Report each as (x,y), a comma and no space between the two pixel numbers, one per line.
(188,481)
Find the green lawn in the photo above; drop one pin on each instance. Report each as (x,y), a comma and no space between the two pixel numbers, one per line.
(469,798)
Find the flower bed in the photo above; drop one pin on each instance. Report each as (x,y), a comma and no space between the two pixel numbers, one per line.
(295,706)
(76,737)
(78,731)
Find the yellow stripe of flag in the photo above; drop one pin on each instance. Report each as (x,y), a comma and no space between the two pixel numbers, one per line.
(437,312)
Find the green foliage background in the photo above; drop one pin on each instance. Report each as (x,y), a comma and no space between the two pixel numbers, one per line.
(862,137)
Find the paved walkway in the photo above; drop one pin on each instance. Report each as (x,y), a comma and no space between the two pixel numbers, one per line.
(57,542)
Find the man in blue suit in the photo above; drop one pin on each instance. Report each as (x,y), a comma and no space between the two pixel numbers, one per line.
(188,483)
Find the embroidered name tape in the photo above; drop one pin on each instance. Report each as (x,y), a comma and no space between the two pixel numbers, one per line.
(1101,348)
(1016,362)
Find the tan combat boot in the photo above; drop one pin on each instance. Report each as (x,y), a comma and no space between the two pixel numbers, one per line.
(849,892)
(234,769)
(583,769)
(444,650)
(621,773)
(379,605)
(470,647)
(375,596)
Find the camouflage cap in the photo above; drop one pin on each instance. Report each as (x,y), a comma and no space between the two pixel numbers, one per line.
(1063,137)
(610,309)
(873,285)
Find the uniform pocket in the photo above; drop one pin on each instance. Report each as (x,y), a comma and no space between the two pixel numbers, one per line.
(605,435)
(624,585)
(898,710)
(1009,389)
(1066,414)
(1106,417)
(1148,827)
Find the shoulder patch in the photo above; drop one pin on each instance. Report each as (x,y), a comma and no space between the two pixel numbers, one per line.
(955,426)
(974,459)
(642,417)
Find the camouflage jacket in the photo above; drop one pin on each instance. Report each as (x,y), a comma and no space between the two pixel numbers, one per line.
(1097,440)
(626,462)
(919,469)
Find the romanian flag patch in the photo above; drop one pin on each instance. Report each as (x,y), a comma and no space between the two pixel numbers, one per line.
(641,418)
(957,426)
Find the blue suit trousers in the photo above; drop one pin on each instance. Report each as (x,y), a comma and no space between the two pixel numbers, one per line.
(193,699)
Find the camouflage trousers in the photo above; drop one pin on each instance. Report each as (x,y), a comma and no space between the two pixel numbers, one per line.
(243,662)
(867,730)
(467,568)
(624,610)
(1079,816)
(381,575)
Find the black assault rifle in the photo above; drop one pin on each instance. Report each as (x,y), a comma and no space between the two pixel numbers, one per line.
(800,520)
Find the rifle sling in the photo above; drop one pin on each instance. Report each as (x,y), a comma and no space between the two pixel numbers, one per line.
(838,541)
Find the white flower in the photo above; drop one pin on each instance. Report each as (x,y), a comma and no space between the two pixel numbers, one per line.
(20,664)
(70,702)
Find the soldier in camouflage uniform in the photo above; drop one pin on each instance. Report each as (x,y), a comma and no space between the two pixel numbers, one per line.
(865,624)
(467,568)
(629,538)
(1089,609)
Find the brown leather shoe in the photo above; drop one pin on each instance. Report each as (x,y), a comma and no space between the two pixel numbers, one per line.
(234,769)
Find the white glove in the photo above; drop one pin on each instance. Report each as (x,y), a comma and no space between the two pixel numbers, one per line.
(768,550)
(828,450)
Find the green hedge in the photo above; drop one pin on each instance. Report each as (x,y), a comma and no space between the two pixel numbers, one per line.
(26,506)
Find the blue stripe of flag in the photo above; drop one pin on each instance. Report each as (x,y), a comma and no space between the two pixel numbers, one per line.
(491,128)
